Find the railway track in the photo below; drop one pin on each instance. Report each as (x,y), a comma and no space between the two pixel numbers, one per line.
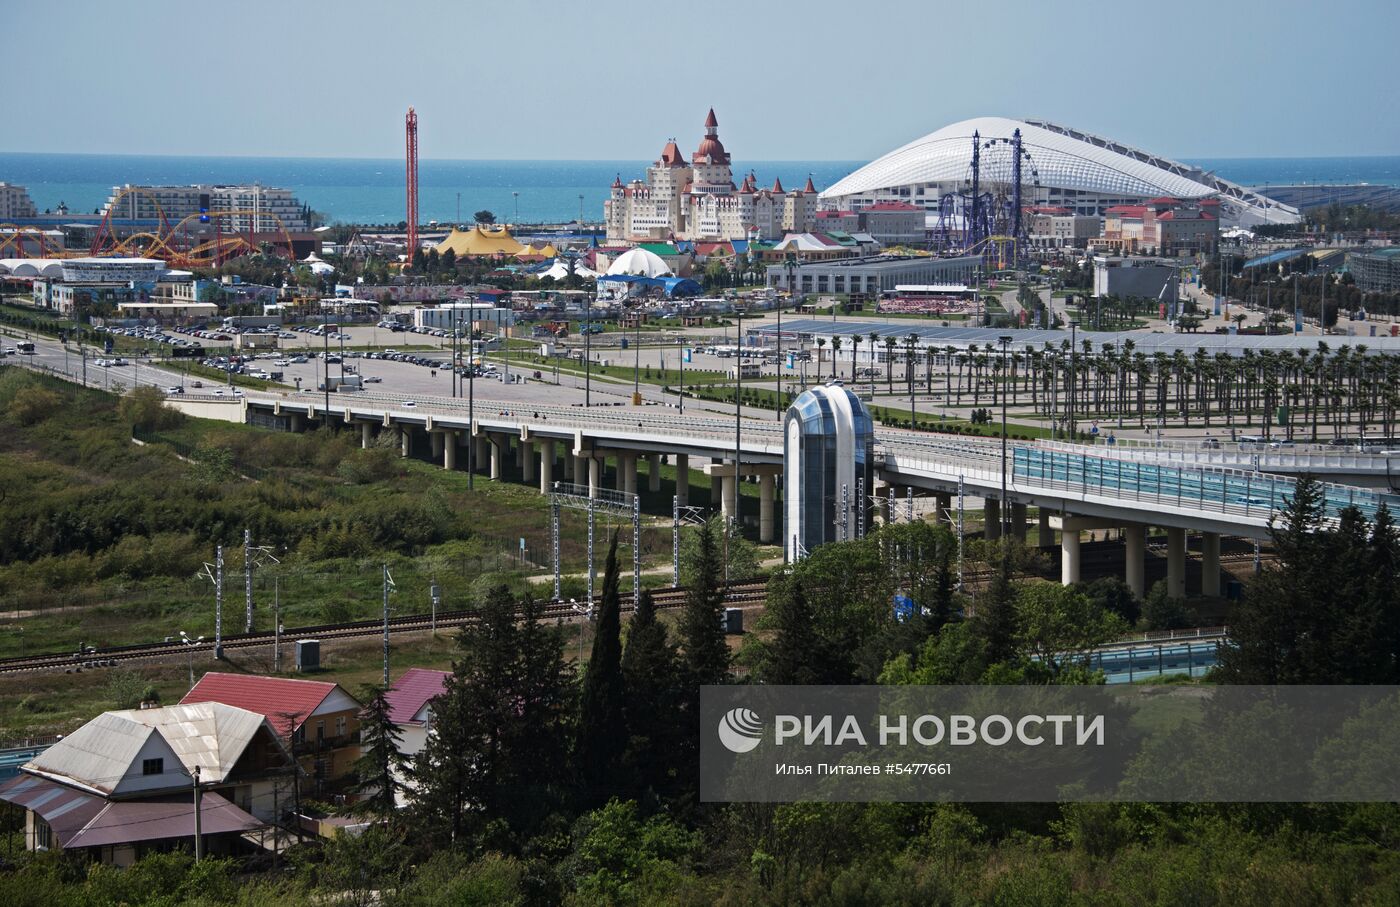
(738,595)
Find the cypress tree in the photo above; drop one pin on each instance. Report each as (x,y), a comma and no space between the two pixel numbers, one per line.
(995,620)
(701,627)
(652,702)
(794,656)
(602,727)
(381,768)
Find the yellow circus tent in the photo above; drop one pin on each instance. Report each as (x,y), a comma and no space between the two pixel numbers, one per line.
(547,251)
(480,240)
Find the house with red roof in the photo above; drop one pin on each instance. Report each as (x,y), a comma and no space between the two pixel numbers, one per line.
(410,701)
(319,719)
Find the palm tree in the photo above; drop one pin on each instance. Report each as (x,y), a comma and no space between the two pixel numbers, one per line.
(855,350)
(835,349)
(821,342)
(890,343)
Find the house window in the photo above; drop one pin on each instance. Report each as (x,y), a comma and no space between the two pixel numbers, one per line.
(340,726)
(43,835)
(152,766)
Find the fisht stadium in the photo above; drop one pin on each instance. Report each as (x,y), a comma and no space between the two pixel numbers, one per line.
(1059,167)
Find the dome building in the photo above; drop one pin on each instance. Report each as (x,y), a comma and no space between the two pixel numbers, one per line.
(1060,167)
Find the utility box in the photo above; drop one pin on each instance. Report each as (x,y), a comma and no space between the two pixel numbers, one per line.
(308,655)
(733,621)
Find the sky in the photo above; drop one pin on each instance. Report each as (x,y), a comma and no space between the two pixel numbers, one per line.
(612,80)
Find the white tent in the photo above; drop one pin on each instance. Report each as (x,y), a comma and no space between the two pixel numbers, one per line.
(560,271)
(640,263)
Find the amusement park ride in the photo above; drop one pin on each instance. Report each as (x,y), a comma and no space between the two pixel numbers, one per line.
(198,241)
(985,217)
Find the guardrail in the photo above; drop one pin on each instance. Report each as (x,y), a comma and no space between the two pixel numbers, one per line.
(1323,458)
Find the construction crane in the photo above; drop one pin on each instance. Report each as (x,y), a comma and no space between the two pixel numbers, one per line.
(411,140)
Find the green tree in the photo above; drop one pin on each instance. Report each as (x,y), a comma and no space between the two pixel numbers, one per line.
(652,702)
(602,726)
(702,620)
(382,767)
(1163,611)
(495,766)
(619,858)
(144,407)
(484,217)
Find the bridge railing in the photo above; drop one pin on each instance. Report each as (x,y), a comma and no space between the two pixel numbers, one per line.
(1317,457)
(1212,489)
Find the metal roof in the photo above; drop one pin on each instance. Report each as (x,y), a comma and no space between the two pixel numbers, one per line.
(100,755)
(285,702)
(415,689)
(78,819)
(1143,342)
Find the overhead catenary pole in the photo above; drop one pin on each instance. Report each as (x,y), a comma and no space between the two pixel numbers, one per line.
(219,602)
(388,584)
(636,549)
(247,581)
(276,624)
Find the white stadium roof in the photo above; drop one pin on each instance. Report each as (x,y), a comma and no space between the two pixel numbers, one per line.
(1063,158)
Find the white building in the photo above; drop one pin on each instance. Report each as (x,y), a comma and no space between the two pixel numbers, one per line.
(112,270)
(15,202)
(479,315)
(259,208)
(698,200)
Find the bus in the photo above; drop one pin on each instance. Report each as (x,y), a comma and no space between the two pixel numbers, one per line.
(25,346)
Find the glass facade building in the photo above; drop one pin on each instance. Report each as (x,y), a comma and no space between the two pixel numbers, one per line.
(828,467)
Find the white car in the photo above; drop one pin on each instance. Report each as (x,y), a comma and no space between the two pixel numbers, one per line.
(409,403)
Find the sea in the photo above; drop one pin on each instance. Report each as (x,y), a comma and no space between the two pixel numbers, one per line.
(370,191)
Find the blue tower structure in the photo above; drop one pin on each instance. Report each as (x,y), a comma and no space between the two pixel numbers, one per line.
(828,467)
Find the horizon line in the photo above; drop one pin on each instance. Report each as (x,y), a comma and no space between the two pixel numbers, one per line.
(603,160)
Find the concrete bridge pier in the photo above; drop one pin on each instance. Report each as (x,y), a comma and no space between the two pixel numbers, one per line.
(595,476)
(1134,550)
(654,472)
(1018,522)
(627,469)
(497,456)
(1176,562)
(546,449)
(482,455)
(683,479)
(527,461)
(366,435)
(766,485)
(405,441)
(435,438)
(1069,555)
(296,422)
(1045,536)
(1210,564)
(943,505)
(449,449)
(991,518)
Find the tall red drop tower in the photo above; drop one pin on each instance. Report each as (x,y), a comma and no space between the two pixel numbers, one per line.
(410,125)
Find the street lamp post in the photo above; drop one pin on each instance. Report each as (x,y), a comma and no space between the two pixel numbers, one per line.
(680,389)
(190,645)
(637,358)
(1073,378)
(588,355)
(325,363)
(792,295)
(1004,340)
(471,406)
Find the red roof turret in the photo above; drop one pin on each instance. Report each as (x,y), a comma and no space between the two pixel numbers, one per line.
(777,186)
(809,188)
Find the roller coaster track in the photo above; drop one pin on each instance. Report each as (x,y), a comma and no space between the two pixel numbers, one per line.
(738,595)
